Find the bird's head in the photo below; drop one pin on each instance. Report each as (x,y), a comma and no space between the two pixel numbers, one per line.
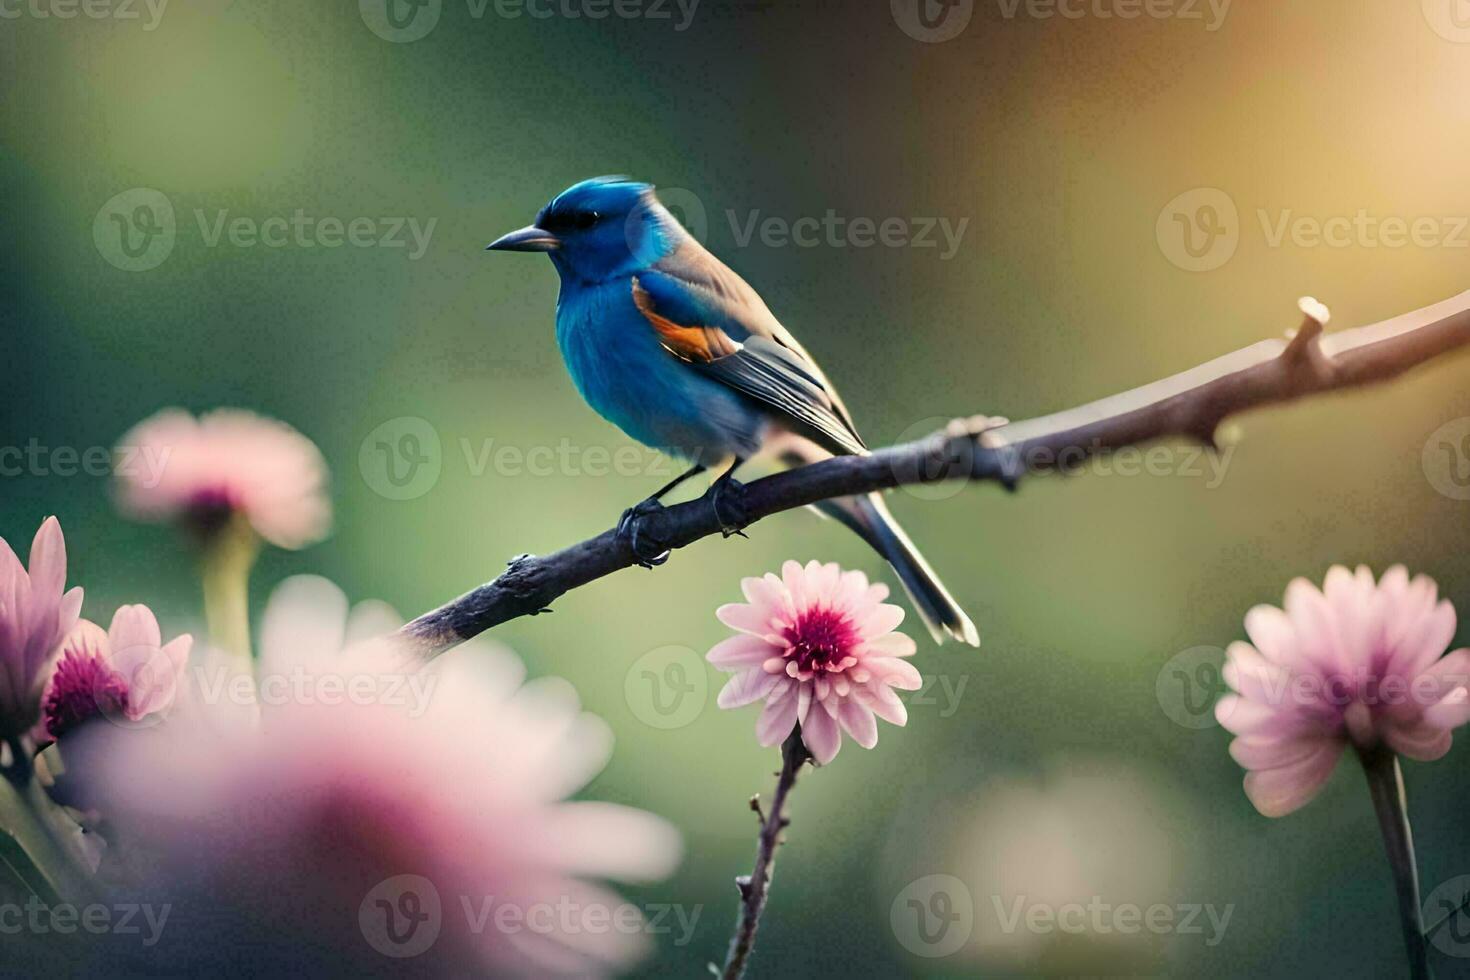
(599,229)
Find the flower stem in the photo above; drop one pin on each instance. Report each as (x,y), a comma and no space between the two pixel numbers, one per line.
(49,863)
(1386,784)
(754,889)
(229,554)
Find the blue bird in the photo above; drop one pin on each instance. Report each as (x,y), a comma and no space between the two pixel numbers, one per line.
(674,348)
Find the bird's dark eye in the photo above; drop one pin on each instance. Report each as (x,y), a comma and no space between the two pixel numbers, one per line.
(562,221)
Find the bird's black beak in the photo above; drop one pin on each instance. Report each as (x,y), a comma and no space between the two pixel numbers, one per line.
(527,239)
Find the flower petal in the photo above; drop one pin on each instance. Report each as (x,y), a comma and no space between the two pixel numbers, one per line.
(765,592)
(895,672)
(1267,752)
(776,721)
(858,722)
(822,736)
(1242,717)
(755,620)
(891,645)
(48,562)
(1277,792)
(740,651)
(1254,677)
(1452,712)
(1424,641)
(747,686)
(884,618)
(883,703)
(134,628)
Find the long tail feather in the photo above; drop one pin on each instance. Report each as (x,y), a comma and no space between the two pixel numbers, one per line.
(869,517)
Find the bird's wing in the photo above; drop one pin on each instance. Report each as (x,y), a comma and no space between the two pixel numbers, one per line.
(720,327)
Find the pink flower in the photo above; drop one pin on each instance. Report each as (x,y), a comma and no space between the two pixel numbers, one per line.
(35,614)
(1356,663)
(125,674)
(817,645)
(226,462)
(391,804)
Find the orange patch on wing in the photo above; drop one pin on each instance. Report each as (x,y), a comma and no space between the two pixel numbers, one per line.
(689,342)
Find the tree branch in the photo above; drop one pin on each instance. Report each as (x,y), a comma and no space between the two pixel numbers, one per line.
(1189,405)
(755,888)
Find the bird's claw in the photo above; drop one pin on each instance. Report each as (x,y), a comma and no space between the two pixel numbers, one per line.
(727,497)
(648,551)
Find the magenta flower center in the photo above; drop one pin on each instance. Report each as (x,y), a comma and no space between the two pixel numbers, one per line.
(83,688)
(210,509)
(821,639)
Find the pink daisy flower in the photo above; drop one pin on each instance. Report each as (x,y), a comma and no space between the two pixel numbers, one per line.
(1356,663)
(36,613)
(229,461)
(420,825)
(817,646)
(124,674)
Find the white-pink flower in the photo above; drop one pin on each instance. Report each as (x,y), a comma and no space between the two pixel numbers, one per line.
(229,461)
(1358,662)
(125,674)
(392,803)
(36,613)
(817,646)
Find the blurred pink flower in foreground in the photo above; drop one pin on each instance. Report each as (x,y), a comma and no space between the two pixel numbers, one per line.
(35,615)
(817,645)
(1358,663)
(226,462)
(373,809)
(124,674)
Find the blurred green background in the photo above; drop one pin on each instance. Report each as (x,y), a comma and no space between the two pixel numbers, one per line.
(1060,762)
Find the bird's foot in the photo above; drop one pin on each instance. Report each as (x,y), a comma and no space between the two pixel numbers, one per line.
(648,551)
(728,498)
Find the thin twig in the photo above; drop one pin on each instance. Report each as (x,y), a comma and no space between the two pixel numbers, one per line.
(1386,784)
(755,888)
(1190,405)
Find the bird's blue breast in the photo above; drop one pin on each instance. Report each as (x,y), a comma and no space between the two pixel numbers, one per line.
(619,366)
